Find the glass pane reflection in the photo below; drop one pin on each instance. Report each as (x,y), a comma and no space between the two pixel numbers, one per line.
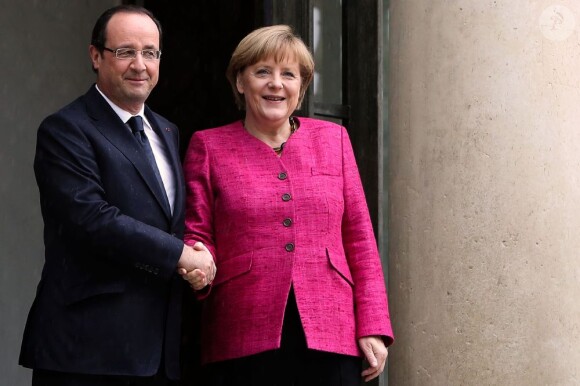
(327,50)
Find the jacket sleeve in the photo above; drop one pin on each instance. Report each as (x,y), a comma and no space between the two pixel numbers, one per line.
(200,195)
(371,308)
(74,200)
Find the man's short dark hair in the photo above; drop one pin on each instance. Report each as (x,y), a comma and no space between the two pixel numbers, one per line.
(99,36)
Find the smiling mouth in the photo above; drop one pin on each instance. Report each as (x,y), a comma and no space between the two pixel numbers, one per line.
(274,98)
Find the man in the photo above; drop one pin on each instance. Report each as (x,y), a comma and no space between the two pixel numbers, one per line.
(107,309)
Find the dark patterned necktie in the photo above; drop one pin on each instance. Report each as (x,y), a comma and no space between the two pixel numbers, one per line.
(136,124)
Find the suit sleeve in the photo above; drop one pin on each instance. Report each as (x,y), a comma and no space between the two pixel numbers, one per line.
(371,308)
(75,203)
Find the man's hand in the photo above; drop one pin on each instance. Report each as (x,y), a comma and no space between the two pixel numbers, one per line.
(196,265)
(376,354)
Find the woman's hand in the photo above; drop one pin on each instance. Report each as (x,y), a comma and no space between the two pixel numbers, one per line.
(376,355)
(196,278)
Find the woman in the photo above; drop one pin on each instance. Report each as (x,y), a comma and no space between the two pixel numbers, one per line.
(299,293)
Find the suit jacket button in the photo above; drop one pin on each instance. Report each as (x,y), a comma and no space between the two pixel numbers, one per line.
(282,176)
(286,197)
(287,222)
(289,247)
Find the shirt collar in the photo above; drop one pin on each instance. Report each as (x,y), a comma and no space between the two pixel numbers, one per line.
(124,115)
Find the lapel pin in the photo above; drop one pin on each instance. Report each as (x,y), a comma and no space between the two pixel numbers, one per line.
(168,129)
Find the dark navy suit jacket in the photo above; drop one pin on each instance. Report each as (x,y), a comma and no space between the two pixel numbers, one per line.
(109,298)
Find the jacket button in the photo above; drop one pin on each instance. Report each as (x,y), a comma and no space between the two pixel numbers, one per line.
(289,247)
(287,222)
(282,176)
(286,197)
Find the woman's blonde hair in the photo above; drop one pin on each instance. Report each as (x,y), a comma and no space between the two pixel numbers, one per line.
(278,42)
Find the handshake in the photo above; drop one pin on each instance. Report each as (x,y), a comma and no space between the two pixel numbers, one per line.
(196,266)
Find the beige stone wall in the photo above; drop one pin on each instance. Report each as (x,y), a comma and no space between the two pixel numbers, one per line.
(484,227)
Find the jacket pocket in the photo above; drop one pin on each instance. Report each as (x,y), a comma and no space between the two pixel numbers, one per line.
(87,290)
(331,170)
(340,265)
(233,267)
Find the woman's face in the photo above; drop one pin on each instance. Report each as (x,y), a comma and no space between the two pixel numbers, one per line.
(271,91)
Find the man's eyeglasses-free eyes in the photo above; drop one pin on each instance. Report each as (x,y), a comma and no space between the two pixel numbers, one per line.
(131,53)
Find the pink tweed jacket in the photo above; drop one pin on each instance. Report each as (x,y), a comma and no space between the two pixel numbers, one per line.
(274,222)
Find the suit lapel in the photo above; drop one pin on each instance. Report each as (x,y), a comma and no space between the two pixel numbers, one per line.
(112,128)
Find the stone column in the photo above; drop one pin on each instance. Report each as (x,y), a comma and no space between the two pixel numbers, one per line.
(484,200)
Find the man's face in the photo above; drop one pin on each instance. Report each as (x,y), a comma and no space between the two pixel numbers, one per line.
(127,82)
